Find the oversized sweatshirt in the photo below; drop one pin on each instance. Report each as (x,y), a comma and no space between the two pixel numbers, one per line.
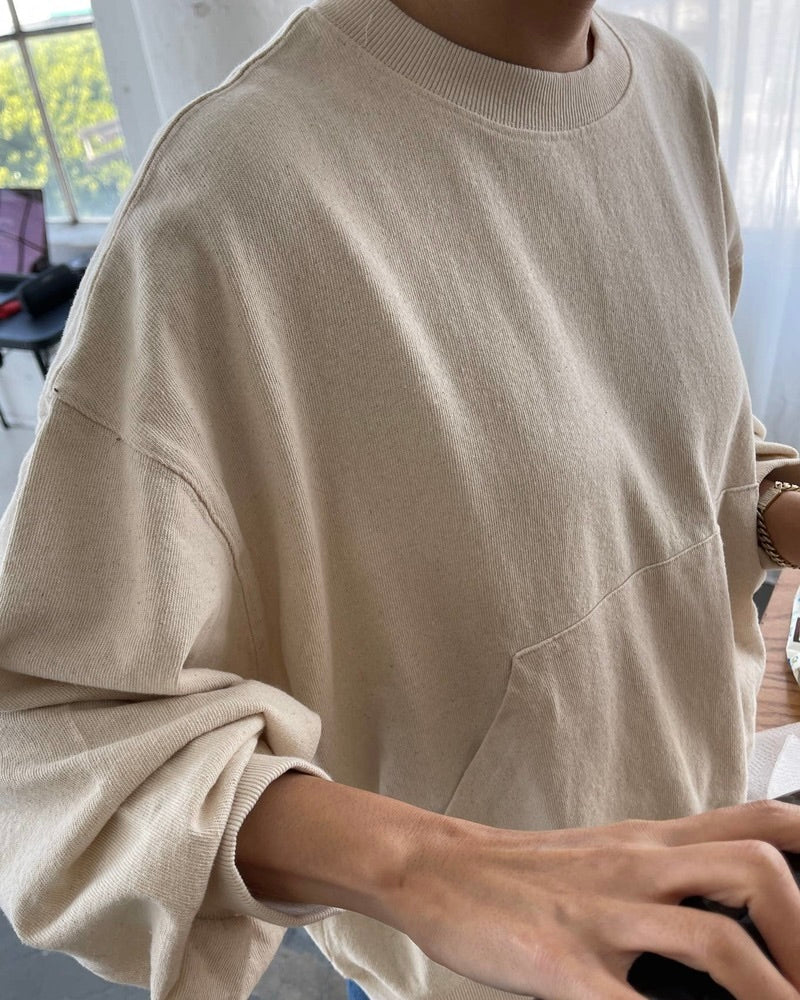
(399,436)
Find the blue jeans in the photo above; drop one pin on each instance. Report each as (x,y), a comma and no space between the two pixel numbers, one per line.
(354,991)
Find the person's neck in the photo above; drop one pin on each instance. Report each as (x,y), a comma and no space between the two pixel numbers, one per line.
(551,35)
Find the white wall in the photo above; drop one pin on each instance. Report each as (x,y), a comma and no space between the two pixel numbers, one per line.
(161,55)
(128,73)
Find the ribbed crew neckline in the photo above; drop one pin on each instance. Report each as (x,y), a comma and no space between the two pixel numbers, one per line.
(507,93)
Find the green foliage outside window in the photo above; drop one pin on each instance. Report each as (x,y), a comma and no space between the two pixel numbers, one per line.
(71,74)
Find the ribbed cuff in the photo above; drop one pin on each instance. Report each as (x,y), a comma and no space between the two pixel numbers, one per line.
(228,894)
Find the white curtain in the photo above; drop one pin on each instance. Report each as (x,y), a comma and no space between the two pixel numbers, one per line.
(750,50)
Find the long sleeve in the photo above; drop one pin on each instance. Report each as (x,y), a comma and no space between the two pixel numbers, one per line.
(770,455)
(133,744)
(137,723)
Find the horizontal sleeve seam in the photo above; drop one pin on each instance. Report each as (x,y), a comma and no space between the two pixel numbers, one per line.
(195,494)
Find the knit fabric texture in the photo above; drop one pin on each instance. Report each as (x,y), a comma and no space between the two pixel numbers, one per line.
(399,436)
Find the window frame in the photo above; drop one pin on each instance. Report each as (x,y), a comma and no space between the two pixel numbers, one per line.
(21,35)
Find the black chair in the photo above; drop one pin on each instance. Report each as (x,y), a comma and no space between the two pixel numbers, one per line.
(24,332)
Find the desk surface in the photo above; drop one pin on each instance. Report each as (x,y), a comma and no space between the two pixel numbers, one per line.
(779,694)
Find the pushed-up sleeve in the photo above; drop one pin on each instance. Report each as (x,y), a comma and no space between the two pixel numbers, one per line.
(139,721)
(770,455)
(133,743)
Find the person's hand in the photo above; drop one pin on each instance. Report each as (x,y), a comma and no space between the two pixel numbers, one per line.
(563,914)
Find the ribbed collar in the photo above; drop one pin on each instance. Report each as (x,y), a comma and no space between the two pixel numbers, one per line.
(512,95)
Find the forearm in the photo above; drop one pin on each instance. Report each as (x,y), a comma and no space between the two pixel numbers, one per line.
(308,840)
(782,518)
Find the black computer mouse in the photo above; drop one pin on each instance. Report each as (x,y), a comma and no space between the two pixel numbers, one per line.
(660,978)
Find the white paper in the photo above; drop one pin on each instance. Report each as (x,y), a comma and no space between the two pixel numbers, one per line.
(774,766)
(786,773)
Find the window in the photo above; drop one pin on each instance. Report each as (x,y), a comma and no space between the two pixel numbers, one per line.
(59,128)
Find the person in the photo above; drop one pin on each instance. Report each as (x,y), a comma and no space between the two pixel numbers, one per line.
(383,562)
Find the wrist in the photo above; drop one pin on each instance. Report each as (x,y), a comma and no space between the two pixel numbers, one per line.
(310,840)
(444,851)
(782,521)
(784,473)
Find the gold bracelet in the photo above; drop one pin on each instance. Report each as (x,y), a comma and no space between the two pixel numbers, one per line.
(763,535)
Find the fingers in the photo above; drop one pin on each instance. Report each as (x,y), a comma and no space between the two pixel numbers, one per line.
(585,977)
(771,820)
(708,942)
(740,873)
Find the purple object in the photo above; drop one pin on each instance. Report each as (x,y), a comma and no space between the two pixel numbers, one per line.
(23,234)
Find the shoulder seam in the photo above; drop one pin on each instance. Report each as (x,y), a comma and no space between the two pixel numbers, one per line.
(143,172)
(60,398)
(197,497)
(279,39)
